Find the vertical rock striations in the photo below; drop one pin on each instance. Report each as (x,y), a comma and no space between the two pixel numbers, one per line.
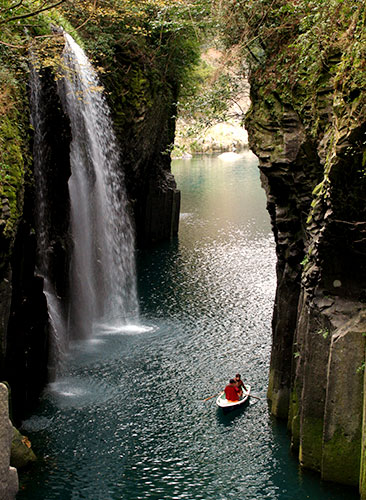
(311,142)
(23,312)
(145,127)
(316,187)
(27,353)
(35,205)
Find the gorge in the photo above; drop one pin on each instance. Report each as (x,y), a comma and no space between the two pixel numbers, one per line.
(309,136)
(306,125)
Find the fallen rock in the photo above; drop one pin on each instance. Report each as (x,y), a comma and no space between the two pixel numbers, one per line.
(21,451)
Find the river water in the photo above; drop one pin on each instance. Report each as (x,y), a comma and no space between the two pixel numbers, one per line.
(126,421)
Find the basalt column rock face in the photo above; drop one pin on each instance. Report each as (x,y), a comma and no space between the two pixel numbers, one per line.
(278,138)
(316,187)
(24,316)
(143,110)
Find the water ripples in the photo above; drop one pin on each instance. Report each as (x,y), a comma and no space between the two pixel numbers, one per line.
(128,420)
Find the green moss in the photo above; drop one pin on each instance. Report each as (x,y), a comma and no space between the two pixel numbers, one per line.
(295,433)
(13,143)
(12,176)
(293,406)
(341,458)
(137,91)
(22,454)
(310,452)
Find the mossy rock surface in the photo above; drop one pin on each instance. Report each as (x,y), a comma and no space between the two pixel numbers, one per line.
(342,455)
(21,451)
(310,452)
(14,151)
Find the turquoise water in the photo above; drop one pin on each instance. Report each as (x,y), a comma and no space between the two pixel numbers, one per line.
(127,420)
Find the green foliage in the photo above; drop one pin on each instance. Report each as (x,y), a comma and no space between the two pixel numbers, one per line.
(305,261)
(324,332)
(13,158)
(299,47)
(204,99)
(161,35)
(361,368)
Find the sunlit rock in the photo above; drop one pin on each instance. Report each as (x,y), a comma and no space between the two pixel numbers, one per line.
(229,156)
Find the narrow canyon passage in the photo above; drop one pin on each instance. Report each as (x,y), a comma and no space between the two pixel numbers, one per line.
(126,421)
(116,329)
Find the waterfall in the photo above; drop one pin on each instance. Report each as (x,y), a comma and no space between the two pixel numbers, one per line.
(41,159)
(102,281)
(103,277)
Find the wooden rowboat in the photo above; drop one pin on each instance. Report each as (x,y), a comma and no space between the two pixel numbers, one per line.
(227,405)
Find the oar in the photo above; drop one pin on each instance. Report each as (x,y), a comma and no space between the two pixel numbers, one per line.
(210,397)
(255,397)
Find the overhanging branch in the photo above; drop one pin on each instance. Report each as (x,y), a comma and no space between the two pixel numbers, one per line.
(31,14)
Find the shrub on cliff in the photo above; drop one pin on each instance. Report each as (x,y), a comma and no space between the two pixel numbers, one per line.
(144,48)
(163,35)
(295,46)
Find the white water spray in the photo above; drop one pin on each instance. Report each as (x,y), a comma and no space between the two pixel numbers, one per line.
(102,282)
(103,277)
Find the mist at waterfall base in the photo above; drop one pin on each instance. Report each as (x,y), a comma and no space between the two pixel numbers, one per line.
(102,269)
(127,420)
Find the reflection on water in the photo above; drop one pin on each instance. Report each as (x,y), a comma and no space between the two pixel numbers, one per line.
(128,422)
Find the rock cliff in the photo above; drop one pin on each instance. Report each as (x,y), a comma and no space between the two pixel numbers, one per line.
(145,127)
(309,134)
(8,475)
(143,108)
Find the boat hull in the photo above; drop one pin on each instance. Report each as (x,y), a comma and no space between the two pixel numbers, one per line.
(228,406)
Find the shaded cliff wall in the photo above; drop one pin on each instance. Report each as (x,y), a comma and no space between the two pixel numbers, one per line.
(24,317)
(307,125)
(21,296)
(143,108)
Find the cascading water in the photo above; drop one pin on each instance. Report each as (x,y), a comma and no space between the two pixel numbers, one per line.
(103,278)
(102,282)
(56,309)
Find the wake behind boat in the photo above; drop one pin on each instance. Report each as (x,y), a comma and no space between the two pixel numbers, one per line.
(228,405)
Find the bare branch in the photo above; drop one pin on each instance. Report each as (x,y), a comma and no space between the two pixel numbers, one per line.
(13,46)
(252,54)
(31,14)
(15,6)
(91,15)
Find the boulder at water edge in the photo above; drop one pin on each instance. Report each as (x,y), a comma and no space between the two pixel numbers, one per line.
(21,452)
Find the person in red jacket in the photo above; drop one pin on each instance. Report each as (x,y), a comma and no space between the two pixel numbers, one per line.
(231,391)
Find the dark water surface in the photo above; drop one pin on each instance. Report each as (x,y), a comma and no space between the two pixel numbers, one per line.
(127,421)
